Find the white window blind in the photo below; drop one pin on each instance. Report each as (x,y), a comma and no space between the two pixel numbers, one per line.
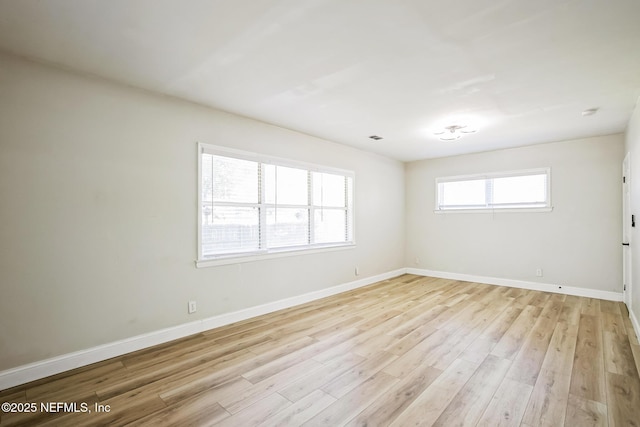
(527,189)
(252,204)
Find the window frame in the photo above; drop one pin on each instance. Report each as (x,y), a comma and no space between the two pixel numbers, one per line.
(267,253)
(490,176)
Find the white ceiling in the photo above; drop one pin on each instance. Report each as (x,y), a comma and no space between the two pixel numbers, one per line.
(520,70)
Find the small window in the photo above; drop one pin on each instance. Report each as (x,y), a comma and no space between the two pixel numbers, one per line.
(252,205)
(528,189)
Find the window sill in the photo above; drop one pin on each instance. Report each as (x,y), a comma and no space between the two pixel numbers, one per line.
(239,259)
(493,211)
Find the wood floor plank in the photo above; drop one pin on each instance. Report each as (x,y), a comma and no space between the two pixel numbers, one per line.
(332,329)
(346,346)
(258,391)
(480,348)
(389,406)
(373,345)
(469,404)
(358,374)
(427,407)
(217,371)
(301,411)
(353,402)
(458,341)
(202,387)
(514,337)
(536,298)
(314,348)
(257,413)
(635,349)
(527,363)
(160,351)
(631,333)
(585,413)
(410,350)
(421,320)
(588,379)
(571,310)
(496,330)
(548,401)
(609,307)
(590,306)
(234,328)
(317,379)
(194,411)
(463,316)
(376,320)
(618,356)
(561,350)
(401,346)
(623,397)
(613,323)
(416,356)
(170,371)
(507,405)
(87,380)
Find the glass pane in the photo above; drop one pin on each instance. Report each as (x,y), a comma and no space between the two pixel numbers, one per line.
(287,227)
(521,190)
(462,194)
(286,186)
(330,225)
(227,229)
(234,180)
(207,177)
(328,190)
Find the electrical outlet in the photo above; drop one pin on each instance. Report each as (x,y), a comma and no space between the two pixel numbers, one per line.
(417,261)
(357,271)
(192,307)
(539,272)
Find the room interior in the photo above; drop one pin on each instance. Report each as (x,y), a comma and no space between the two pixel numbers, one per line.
(103,105)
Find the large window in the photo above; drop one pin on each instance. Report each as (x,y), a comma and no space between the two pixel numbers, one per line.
(252,205)
(527,189)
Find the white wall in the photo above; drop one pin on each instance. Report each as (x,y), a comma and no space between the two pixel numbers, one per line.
(98,213)
(577,244)
(632,146)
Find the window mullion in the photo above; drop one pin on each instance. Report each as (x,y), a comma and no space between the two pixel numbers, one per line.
(527,189)
(312,212)
(346,212)
(261,208)
(488,192)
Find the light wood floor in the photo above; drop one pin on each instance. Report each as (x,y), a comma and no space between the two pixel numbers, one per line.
(403,352)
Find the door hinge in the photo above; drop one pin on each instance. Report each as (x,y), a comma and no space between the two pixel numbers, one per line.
(624,179)
(624,287)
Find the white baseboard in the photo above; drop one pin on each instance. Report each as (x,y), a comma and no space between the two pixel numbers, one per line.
(535,286)
(34,371)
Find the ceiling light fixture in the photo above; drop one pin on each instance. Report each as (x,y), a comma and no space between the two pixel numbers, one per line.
(589,112)
(375,137)
(453,132)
